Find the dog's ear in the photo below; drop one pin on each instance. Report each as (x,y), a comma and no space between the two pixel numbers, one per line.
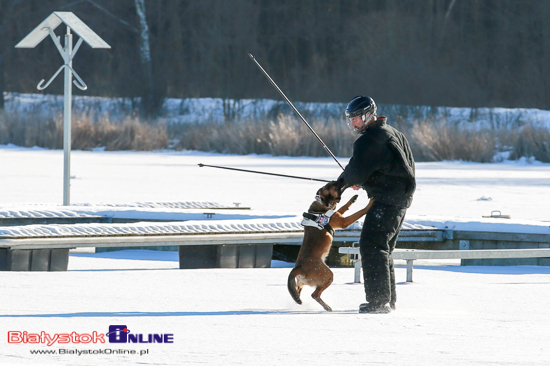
(334,187)
(340,186)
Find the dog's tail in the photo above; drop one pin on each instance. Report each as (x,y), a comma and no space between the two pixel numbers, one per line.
(292,284)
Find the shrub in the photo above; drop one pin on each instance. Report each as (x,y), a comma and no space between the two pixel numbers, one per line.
(31,129)
(281,135)
(532,140)
(436,141)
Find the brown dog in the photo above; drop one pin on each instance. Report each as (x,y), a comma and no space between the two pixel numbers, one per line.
(310,268)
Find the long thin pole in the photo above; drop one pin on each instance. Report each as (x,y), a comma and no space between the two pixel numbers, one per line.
(295,110)
(258,172)
(67,120)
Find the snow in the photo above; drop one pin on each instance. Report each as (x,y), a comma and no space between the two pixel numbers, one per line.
(450,315)
(157,185)
(200,110)
(148,228)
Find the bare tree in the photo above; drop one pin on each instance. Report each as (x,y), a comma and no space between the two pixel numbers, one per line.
(6,8)
(435,52)
(145,57)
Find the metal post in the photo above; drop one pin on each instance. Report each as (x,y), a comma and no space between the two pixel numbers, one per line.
(357,265)
(31,40)
(67,119)
(410,270)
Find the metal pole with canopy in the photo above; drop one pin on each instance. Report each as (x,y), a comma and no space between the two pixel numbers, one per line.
(87,35)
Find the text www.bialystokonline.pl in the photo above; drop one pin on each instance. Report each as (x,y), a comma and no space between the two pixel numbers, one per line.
(86,352)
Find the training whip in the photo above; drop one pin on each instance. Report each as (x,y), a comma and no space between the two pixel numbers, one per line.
(255,171)
(295,110)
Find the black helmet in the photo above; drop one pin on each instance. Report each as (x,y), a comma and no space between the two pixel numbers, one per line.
(360,106)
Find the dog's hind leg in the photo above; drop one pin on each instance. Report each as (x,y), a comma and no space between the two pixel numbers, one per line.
(328,278)
(323,304)
(317,296)
(294,289)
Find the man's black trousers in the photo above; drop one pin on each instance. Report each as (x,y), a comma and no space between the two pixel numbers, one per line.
(378,239)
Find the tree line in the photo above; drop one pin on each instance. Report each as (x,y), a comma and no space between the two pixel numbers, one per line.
(474,53)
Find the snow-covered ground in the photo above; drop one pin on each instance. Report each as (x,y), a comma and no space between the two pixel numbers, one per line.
(450,315)
(460,189)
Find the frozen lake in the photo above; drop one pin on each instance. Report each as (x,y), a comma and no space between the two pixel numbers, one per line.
(450,315)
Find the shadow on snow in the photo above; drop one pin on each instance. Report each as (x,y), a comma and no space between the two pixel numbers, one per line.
(123,314)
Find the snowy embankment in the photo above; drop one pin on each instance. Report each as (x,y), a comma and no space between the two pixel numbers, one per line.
(200,110)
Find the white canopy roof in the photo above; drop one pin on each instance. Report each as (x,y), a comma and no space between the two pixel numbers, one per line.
(53,21)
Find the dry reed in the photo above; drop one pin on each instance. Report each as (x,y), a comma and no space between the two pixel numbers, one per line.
(284,135)
(87,132)
(430,140)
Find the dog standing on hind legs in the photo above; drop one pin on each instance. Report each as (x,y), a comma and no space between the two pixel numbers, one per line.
(319,224)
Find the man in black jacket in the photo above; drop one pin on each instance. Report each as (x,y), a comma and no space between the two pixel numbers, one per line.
(383,165)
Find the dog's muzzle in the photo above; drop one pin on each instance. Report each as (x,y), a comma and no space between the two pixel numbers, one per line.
(332,206)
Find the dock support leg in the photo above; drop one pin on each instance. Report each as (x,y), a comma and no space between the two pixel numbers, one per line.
(225,256)
(357,271)
(410,270)
(45,260)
